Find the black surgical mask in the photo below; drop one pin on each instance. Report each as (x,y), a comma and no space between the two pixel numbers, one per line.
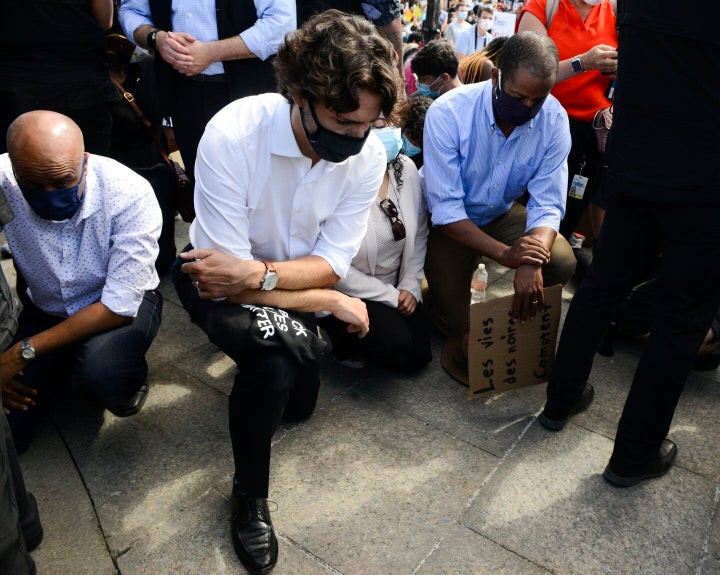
(330,145)
(512,110)
(55,205)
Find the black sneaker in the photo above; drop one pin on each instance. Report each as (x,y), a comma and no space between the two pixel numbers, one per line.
(556,414)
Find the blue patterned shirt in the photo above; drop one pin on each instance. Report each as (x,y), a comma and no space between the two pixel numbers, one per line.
(472,171)
(106,252)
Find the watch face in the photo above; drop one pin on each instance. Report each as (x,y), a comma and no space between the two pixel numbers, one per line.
(269,281)
(28,353)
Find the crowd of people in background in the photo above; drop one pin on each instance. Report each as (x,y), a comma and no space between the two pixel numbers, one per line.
(351,164)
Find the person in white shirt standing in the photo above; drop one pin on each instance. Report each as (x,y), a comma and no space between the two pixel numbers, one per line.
(284,187)
(84,238)
(476,38)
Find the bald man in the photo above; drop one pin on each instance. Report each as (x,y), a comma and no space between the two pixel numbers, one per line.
(84,238)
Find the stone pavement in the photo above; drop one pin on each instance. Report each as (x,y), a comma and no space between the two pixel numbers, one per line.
(392,475)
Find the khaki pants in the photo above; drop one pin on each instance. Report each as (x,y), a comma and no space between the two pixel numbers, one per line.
(449,266)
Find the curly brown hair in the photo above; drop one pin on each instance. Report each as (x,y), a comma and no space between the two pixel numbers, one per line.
(333,57)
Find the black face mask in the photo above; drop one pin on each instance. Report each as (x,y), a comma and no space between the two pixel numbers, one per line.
(330,145)
(512,110)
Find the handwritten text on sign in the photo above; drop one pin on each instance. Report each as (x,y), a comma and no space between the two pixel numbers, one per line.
(506,354)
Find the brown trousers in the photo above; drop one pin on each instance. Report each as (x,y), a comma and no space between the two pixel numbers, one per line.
(449,266)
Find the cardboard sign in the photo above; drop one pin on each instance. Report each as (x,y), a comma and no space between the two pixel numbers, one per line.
(503,24)
(505,354)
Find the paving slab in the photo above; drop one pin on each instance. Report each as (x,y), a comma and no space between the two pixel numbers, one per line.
(710,567)
(178,339)
(695,428)
(143,470)
(464,552)
(549,503)
(492,423)
(73,543)
(369,489)
(198,541)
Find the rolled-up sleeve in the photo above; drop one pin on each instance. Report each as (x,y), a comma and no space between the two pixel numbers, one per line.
(444,191)
(548,187)
(131,266)
(341,234)
(275,18)
(133,14)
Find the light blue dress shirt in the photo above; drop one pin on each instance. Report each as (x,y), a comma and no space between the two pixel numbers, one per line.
(197,18)
(106,252)
(471,171)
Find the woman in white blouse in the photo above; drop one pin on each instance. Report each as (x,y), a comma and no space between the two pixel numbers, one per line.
(387,271)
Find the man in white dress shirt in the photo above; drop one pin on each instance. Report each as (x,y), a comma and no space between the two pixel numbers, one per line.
(284,186)
(84,239)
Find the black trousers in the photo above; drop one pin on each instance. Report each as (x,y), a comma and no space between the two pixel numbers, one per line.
(19,517)
(194,106)
(394,341)
(269,385)
(688,276)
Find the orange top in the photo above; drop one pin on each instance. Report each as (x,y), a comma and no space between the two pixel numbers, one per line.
(582,94)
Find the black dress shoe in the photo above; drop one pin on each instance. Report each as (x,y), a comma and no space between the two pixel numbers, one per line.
(556,414)
(132,405)
(627,475)
(252,534)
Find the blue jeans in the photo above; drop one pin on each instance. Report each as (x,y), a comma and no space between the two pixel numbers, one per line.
(108,368)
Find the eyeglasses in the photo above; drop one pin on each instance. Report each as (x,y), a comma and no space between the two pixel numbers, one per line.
(391,211)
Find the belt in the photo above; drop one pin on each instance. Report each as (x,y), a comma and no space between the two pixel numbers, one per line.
(213,78)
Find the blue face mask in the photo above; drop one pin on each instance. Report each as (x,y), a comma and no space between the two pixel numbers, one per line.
(55,205)
(391,139)
(409,149)
(426,89)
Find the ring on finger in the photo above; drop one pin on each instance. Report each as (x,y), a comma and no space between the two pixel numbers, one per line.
(196,284)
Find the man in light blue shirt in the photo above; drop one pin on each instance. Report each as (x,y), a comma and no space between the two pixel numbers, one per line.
(84,239)
(207,54)
(485,145)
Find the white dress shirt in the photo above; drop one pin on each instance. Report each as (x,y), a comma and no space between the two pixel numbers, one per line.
(197,18)
(469,41)
(361,280)
(105,252)
(257,197)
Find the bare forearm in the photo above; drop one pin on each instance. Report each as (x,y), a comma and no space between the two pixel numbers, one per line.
(468,234)
(229,49)
(140,35)
(393,32)
(308,300)
(545,234)
(305,273)
(91,320)
(103,12)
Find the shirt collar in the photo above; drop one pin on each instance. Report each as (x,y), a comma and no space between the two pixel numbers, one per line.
(283,139)
(91,199)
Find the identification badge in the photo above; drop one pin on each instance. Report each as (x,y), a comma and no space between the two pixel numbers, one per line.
(577,188)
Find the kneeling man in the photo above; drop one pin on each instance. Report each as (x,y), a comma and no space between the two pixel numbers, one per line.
(284,187)
(485,145)
(84,238)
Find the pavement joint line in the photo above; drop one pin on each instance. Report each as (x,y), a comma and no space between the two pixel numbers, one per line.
(508,549)
(89,495)
(329,568)
(708,534)
(474,496)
